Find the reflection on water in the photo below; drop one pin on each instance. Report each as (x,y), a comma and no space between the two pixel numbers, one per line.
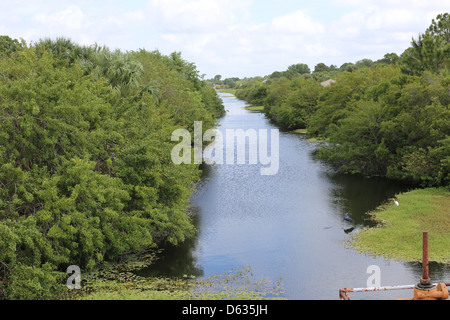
(175,261)
(290,225)
(357,195)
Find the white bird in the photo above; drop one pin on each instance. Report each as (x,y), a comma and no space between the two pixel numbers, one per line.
(396,203)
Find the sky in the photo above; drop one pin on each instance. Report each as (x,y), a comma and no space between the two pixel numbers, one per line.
(233,38)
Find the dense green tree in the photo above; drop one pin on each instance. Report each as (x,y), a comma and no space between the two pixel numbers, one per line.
(390,126)
(390,58)
(348,66)
(299,68)
(321,67)
(120,70)
(441,27)
(431,51)
(298,104)
(364,63)
(390,118)
(10,46)
(230,83)
(278,91)
(85,158)
(427,53)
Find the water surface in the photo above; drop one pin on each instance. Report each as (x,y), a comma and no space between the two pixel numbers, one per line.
(289,225)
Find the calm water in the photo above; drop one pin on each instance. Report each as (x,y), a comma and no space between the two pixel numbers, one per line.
(289,225)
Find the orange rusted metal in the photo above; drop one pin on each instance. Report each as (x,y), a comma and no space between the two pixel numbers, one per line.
(437,292)
(343,294)
(424,290)
(425,280)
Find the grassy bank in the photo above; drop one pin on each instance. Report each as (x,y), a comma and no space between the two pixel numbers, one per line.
(255,108)
(399,231)
(305,132)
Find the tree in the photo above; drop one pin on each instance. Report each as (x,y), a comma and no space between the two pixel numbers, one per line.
(390,58)
(299,68)
(441,27)
(121,70)
(85,158)
(364,63)
(427,53)
(63,49)
(348,66)
(276,75)
(431,51)
(230,82)
(9,46)
(321,67)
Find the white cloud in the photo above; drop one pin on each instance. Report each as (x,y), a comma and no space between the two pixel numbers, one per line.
(71,18)
(283,41)
(225,36)
(195,16)
(297,22)
(374,27)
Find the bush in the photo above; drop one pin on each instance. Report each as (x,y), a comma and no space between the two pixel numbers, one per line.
(85,159)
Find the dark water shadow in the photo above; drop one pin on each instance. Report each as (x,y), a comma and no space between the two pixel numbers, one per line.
(358,195)
(175,261)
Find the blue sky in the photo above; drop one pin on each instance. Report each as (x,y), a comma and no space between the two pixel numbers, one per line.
(240,38)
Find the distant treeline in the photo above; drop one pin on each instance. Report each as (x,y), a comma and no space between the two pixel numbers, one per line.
(85,157)
(386,118)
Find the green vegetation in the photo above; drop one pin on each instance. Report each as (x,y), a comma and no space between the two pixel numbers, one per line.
(85,144)
(120,283)
(259,108)
(386,118)
(399,231)
(85,167)
(232,91)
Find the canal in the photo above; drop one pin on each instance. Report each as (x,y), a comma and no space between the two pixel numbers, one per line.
(287,226)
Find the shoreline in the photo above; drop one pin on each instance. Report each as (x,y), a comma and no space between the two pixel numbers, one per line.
(398,233)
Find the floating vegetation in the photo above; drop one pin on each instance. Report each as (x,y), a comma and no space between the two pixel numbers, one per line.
(120,283)
(236,284)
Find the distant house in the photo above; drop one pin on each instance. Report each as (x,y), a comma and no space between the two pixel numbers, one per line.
(328,82)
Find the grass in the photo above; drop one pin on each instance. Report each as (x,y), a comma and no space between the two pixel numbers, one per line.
(398,234)
(255,108)
(312,140)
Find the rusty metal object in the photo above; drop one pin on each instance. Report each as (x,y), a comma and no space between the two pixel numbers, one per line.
(374,289)
(424,290)
(425,281)
(343,294)
(437,292)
